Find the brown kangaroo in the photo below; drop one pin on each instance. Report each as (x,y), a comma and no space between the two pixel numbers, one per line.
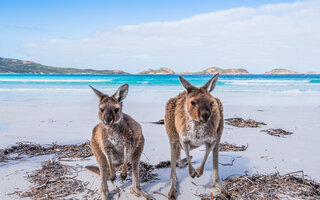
(116,141)
(194,118)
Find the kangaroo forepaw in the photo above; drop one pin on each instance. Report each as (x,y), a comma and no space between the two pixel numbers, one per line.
(199,172)
(172,194)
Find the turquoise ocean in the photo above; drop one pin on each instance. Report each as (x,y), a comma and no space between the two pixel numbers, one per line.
(247,89)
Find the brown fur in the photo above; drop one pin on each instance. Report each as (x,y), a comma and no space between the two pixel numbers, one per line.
(116,141)
(193,118)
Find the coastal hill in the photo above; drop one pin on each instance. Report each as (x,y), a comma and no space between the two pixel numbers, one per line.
(287,71)
(162,70)
(214,70)
(28,67)
(282,71)
(16,66)
(211,70)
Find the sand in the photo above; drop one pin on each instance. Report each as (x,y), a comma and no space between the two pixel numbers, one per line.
(72,122)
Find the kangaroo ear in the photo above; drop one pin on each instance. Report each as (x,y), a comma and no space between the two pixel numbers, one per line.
(185,83)
(99,94)
(121,93)
(211,84)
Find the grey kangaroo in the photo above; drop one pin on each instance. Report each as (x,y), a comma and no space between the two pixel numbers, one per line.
(194,118)
(116,141)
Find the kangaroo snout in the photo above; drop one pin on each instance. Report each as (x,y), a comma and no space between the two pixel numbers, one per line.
(108,116)
(108,120)
(204,117)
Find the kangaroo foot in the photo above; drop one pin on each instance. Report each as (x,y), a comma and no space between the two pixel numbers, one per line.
(112,175)
(172,195)
(123,175)
(139,192)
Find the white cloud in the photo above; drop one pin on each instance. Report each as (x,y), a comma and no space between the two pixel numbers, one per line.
(280,35)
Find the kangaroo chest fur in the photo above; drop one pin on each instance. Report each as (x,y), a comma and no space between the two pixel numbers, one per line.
(117,140)
(197,134)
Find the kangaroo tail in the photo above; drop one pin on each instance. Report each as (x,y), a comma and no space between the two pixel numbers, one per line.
(93,169)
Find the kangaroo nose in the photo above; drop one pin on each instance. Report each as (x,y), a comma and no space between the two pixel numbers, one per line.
(108,120)
(205,116)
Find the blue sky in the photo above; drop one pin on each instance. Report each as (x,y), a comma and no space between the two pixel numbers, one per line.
(29,29)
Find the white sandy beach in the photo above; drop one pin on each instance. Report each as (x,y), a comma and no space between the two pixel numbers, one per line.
(260,58)
(71,122)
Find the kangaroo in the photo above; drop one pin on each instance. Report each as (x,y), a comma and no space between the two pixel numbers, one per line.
(116,141)
(194,118)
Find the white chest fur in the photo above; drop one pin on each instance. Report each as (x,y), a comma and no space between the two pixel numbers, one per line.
(115,139)
(197,134)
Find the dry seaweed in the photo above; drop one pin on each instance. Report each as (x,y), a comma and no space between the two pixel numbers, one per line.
(167,164)
(277,132)
(231,147)
(244,123)
(15,152)
(271,186)
(163,164)
(55,181)
(21,149)
(161,121)
(146,172)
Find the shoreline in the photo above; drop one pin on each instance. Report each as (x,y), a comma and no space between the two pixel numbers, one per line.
(177,74)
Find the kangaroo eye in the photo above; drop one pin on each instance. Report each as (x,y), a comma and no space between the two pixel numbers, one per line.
(211,104)
(101,110)
(193,103)
(116,110)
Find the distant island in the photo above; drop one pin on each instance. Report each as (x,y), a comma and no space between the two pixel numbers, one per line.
(29,67)
(281,71)
(286,71)
(214,70)
(211,70)
(162,70)
(16,66)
